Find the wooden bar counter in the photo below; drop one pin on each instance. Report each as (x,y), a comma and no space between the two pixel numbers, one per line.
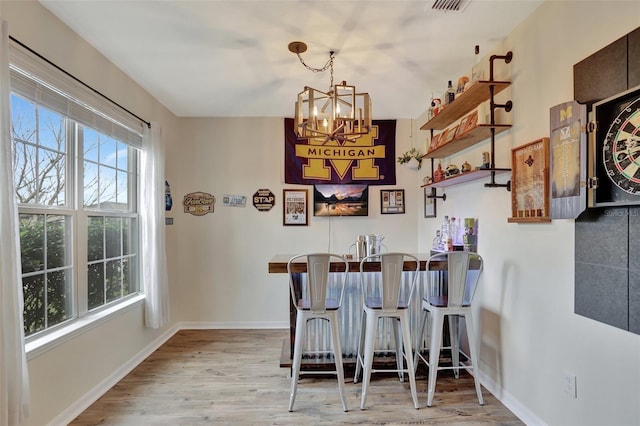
(278,264)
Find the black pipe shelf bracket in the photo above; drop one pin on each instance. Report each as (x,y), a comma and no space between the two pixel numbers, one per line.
(507,106)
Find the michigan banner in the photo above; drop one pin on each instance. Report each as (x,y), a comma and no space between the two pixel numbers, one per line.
(369,160)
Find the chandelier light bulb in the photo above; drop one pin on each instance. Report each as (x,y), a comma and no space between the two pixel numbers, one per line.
(315,111)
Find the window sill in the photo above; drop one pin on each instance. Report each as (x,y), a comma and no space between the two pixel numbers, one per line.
(45,343)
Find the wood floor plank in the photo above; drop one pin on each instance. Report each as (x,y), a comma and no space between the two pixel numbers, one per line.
(202,377)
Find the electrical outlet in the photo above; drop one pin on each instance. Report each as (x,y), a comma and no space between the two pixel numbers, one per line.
(569,382)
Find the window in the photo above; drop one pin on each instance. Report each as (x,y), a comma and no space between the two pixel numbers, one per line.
(76,176)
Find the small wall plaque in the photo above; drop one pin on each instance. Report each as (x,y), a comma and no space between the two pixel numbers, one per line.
(198,203)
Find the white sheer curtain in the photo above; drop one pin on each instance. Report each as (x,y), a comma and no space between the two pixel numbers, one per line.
(153,247)
(14,378)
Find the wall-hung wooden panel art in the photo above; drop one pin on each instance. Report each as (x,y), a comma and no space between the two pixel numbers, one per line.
(568,160)
(530,182)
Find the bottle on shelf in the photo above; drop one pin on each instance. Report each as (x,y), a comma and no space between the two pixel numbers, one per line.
(451,93)
(437,241)
(477,72)
(453,231)
(444,234)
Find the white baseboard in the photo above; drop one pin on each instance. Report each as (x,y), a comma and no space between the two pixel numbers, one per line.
(513,404)
(232,325)
(75,409)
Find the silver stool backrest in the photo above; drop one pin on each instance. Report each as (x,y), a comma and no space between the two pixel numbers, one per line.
(318,268)
(461,285)
(391,267)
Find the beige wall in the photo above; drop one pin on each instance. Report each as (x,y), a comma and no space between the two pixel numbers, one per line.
(218,262)
(68,372)
(222,257)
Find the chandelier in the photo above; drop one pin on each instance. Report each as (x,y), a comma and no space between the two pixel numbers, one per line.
(340,114)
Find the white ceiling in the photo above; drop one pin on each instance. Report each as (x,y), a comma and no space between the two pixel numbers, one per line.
(212,58)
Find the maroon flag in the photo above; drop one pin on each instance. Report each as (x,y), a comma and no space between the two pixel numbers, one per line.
(369,160)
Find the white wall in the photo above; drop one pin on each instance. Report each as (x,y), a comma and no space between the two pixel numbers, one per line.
(530,335)
(218,262)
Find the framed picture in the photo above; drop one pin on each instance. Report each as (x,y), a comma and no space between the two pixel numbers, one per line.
(391,201)
(429,203)
(340,200)
(471,121)
(295,209)
(530,182)
(451,134)
(462,126)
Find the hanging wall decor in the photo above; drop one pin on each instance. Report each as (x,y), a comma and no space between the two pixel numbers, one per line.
(392,201)
(198,203)
(234,200)
(295,209)
(263,200)
(530,182)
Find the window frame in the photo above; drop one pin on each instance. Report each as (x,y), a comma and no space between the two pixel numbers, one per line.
(81,317)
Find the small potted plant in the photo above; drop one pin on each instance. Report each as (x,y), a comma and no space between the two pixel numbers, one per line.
(412,159)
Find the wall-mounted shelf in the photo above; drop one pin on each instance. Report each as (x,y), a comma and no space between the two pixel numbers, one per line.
(476,94)
(480,133)
(479,92)
(465,177)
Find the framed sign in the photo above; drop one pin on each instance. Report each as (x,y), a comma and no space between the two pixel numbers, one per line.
(234,200)
(567,156)
(530,182)
(391,201)
(295,208)
(429,203)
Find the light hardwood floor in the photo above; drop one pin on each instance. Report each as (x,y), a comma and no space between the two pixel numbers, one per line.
(201,377)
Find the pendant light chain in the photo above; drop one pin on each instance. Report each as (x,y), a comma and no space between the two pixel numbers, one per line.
(327,66)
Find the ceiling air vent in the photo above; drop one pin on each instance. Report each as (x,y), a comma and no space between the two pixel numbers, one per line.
(450,5)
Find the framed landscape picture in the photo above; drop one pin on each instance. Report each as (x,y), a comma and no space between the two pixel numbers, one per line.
(341,200)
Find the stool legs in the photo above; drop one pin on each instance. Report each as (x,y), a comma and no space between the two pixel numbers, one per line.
(406,337)
(337,354)
(437,321)
(370,329)
(301,325)
(454,343)
(471,334)
(398,341)
(360,352)
(369,347)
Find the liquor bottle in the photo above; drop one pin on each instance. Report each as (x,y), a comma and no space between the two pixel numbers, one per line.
(451,94)
(444,234)
(437,241)
(453,232)
(477,72)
